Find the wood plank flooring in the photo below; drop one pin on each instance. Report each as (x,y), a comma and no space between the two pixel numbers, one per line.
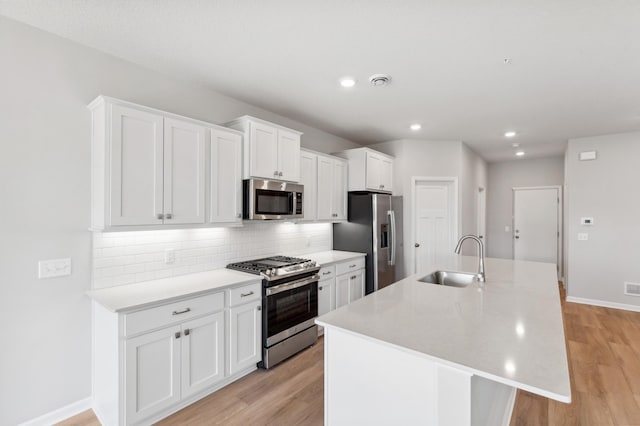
(604,361)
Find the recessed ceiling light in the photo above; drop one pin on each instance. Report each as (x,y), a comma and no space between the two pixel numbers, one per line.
(415,127)
(520,153)
(347,82)
(509,134)
(515,144)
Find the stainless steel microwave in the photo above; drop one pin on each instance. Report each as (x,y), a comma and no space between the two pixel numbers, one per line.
(271,200)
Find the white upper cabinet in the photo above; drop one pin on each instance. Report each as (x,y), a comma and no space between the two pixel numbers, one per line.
(184,172)
(226,177)
(149,167)
(309,179)
(135,181)
(271,151)
(369,170)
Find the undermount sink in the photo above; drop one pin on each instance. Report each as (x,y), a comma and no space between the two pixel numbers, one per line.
(449,278)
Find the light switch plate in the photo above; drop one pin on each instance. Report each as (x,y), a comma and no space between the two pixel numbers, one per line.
(169,256)
(54,268)
(583,236)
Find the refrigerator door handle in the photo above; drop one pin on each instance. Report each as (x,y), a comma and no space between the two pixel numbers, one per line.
(392,221)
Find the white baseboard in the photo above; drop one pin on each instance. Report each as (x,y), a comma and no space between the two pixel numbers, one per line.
(604,303)
(62,413)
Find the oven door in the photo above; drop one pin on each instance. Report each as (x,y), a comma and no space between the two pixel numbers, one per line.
(290,308)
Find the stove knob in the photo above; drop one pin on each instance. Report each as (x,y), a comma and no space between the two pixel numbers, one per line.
(267,272)
(273,271)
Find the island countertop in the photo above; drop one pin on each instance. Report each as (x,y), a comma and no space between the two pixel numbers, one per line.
(509,330)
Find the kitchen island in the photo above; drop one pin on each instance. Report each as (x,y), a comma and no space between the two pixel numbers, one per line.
(420,353)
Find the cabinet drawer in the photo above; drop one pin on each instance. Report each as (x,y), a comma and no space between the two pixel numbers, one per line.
(244,294)
(171,313)
(327,272)
(352,265)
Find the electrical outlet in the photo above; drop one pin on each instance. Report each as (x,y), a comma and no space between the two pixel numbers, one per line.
(583,236)
(169,256)
(54,268)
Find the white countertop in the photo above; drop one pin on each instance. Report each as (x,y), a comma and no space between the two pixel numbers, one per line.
(140,295)
(509,331)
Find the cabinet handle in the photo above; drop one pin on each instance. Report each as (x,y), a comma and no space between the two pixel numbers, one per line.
(352,266)
(259,308)
(239,215)
(353,277)
(381,186)
(246,294)
(168,216)
(326,273)
(177,335)
(275,173)
(320,288)
(184,311)
(160,216)
(186,332)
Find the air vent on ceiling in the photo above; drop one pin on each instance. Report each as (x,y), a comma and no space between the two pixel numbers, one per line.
(632,289)
(380,79)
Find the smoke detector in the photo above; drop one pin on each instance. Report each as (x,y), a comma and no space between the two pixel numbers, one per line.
(380,79)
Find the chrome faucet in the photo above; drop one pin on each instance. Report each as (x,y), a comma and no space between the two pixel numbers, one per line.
(480,274)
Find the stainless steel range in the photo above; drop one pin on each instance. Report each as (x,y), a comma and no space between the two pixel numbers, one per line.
(289,304)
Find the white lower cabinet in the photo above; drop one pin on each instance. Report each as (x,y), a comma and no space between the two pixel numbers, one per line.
(245,341)
(346,287)
(153,362)
(326,295)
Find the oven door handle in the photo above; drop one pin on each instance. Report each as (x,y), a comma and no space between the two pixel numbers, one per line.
(290,286)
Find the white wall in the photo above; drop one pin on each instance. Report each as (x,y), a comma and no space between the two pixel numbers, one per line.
(434,159)
(45,126)
(502,177)
(607,190)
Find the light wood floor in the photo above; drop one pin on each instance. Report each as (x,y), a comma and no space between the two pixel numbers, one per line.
(604,361)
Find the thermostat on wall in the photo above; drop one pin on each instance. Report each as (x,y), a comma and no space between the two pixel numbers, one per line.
(586,221)
(588,155)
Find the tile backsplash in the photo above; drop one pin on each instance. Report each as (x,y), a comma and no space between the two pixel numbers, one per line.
(128,257)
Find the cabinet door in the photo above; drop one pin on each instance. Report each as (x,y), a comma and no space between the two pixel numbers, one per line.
(326,296)
(245,336)
(386,174)
(263,151)
(309,178)
(288,156)
(152,373)
(342,290)
(373,170)
(184,172)
(202,353)
(325,188)
(339,192)
(226,177)
(356,285)
(136,167)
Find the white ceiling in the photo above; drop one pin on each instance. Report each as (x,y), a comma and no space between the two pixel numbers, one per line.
(574,70)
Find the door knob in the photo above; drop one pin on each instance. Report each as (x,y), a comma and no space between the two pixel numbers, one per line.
(416,245)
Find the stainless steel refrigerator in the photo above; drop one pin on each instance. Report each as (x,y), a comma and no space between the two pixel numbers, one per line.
(374,227)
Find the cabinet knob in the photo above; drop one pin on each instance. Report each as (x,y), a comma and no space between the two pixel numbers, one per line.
(416,245)
(320,288)
(239,215)
(280,174)
(353,277)
(177,335)
(168,216)
(160,216)
(259,308)
(186,332)
(381,186)
(275,173)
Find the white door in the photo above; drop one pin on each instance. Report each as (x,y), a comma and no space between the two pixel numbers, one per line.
(136,167)
(184,172)
(482,216)
(339,197)
(373,171)
(245,336)
(152,373)
(326,296)
(435,221)
(536,231)
(325,188)
(202,353)
(289,156)
(356,285)
(263,142)
(309,178)
(226,177)
(342,290)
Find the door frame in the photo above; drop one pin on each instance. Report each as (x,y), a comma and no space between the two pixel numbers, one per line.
(415,180)
(481,219)
(560,257)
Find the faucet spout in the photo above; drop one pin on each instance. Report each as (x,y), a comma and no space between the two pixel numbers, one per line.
(480,275)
